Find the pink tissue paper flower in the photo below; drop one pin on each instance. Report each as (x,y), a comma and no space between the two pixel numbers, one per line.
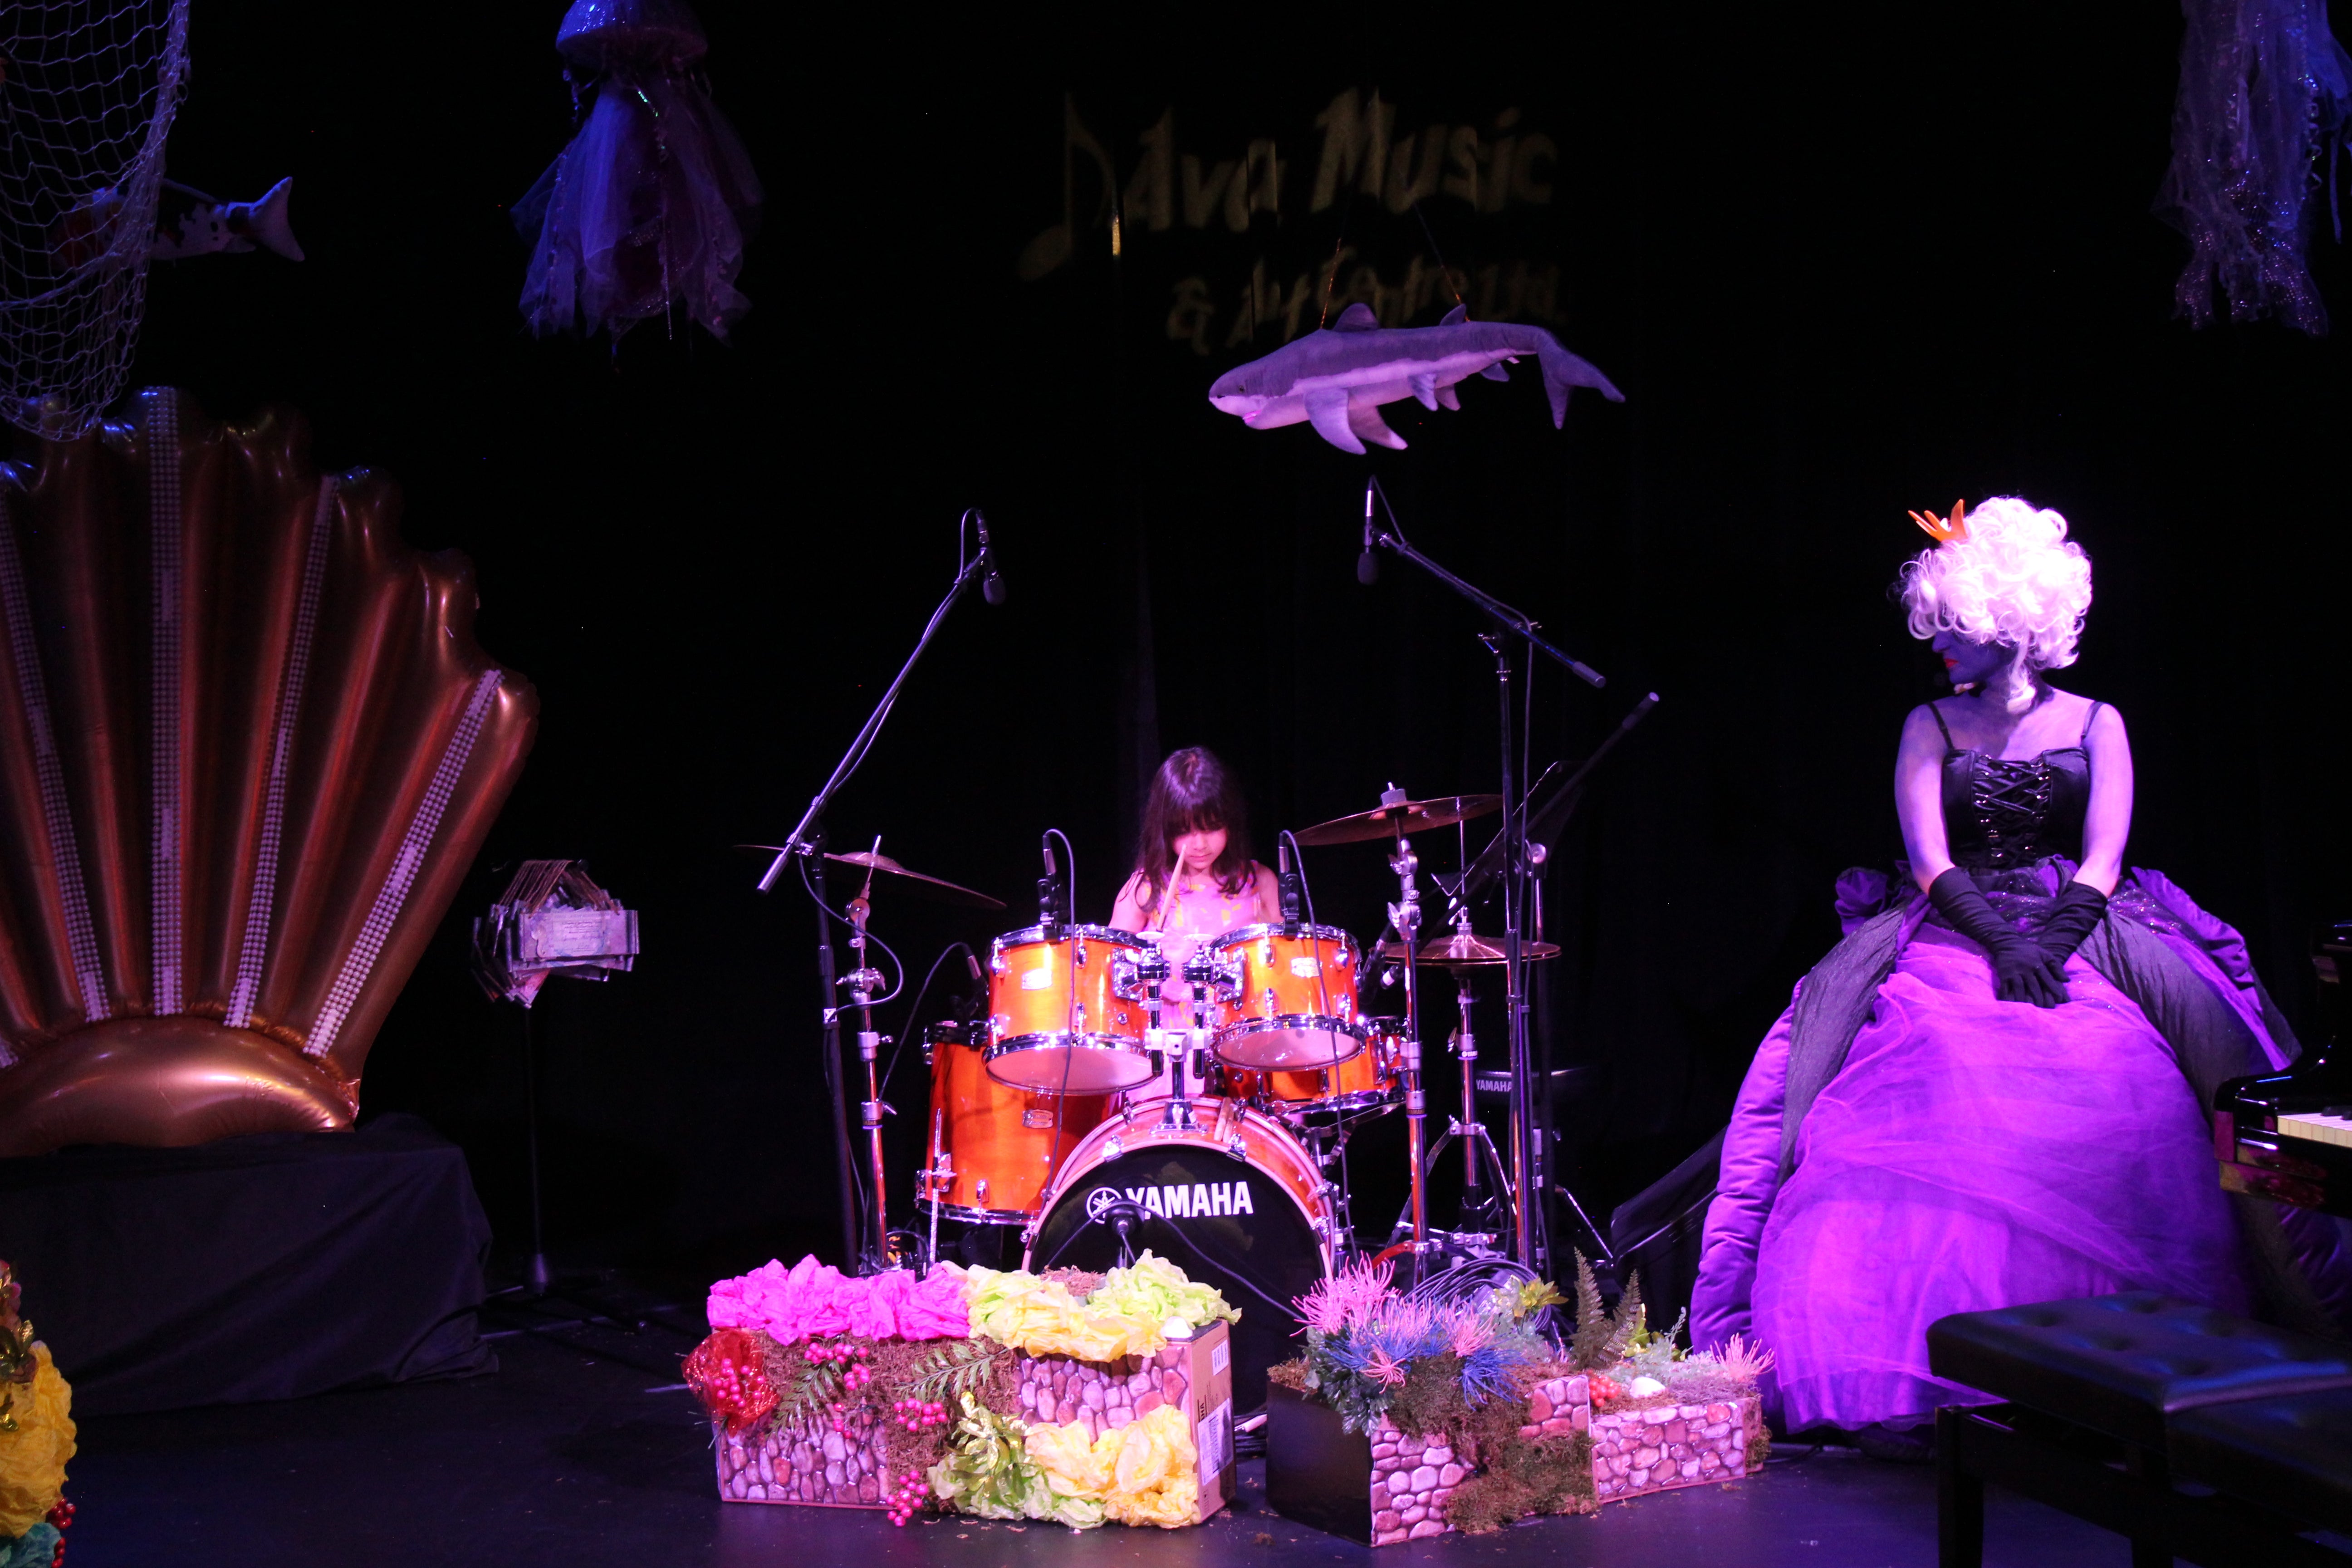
(812,1300)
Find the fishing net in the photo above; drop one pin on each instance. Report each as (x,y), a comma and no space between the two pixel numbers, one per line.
(87,89)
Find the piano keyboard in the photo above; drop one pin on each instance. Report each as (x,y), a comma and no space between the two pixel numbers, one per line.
(2335,1130)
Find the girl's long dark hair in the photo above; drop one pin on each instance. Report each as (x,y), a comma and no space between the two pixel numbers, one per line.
(1192,793)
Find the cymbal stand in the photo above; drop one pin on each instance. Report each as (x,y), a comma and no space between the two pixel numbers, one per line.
(1405,916)
(1528,1247)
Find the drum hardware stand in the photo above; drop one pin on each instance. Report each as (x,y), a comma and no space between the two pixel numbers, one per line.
(863,981)
(1152,973)
(806,843)
(1527,1240)
(1479,1210)
(1405,916)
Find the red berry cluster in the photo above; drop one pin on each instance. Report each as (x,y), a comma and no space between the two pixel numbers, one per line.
(61,1515)
(919,1416)
(855,1375)
(1602,1391)
(727,1374)
(909,1499)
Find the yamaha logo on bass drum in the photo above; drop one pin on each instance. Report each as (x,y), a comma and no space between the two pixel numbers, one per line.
(1201,1200)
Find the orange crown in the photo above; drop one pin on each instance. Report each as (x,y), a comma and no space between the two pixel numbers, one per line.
(1945,530)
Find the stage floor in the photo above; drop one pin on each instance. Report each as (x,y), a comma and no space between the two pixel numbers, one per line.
(577,1454)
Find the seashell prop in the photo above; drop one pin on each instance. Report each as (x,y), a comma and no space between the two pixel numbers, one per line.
(248,747)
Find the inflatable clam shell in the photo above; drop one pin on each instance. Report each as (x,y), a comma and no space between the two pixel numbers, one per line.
(248,747)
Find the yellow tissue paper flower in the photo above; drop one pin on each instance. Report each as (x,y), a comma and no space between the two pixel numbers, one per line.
(1040,1317)
(1153,1290)
(33,1457)
(1142,1473)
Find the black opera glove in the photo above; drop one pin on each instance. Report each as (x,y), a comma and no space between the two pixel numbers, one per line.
(2077,913)
(2022,972)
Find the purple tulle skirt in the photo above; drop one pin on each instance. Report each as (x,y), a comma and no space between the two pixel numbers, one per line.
(1970,1153)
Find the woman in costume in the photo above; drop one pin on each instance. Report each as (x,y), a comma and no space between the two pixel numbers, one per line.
(1194,875)
(1994,1089)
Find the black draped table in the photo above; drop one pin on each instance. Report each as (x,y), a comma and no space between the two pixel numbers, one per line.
(261,1267)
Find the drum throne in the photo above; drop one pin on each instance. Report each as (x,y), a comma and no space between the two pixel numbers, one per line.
(248,747)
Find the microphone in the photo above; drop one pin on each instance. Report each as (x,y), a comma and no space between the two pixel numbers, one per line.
(1049,888)
(992,586)
(1368,565)
(1287,879)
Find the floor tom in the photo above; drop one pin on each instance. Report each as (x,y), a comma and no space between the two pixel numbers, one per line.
(990,1147)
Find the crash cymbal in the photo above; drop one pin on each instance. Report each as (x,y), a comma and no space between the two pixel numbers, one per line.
(1465,949)
(1412,816)
(931,888)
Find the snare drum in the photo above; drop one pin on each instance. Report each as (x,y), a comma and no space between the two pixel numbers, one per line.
(992,1149)
(1056,1023)
(1294,1004)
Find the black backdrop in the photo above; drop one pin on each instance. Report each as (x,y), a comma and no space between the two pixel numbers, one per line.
(1838,273)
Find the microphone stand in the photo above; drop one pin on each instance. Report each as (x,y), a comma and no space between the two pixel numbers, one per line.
(806,843)
(1529,1244)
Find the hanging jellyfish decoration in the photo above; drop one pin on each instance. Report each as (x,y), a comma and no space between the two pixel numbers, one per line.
(648,209)
(2265,90)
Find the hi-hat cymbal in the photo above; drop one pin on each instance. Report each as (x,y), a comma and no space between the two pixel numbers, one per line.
(1464,949)
(931,888)
(1408,816)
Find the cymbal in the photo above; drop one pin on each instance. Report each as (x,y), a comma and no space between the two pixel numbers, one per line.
(1464,949)
(932,887)
(1411,816)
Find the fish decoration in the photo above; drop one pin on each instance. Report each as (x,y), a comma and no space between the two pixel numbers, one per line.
(187,223)
(190,223)
(1335,377)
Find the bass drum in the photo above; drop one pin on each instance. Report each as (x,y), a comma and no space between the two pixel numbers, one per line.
(1234,1200)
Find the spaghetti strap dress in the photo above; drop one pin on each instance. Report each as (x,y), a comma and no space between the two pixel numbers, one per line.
(1905,1145)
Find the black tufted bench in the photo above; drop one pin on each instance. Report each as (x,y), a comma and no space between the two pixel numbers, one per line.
(2258,1414)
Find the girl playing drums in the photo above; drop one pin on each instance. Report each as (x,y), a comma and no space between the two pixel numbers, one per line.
(1194,875)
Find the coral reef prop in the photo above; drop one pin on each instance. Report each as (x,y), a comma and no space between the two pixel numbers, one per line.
(249,750)
(1471,1418)
(1366,1344)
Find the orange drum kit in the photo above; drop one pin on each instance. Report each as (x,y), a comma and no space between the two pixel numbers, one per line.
(1107,1097)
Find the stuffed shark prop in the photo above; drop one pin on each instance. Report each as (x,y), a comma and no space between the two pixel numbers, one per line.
(1336,378)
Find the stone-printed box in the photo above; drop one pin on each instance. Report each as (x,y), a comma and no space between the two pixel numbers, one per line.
(809,1463)
(1636,1452)
(1383,1486)
(1412,1479)
(1315,1467)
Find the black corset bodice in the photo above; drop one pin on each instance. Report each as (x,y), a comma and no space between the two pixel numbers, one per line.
(1999,813)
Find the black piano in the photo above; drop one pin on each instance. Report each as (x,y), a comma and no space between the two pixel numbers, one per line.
(2287,1136)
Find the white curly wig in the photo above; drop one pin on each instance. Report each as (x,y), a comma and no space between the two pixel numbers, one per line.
(2015,580)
